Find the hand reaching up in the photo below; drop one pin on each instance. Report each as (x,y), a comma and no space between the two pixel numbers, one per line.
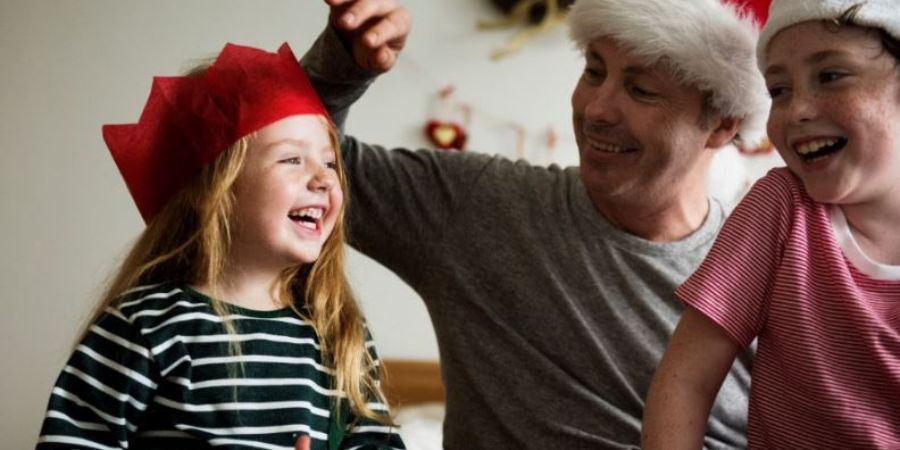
(376,30)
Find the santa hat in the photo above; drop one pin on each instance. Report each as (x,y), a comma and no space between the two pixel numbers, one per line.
(189,120)
(882,14)
(708,44)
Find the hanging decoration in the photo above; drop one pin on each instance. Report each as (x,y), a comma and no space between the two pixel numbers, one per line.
(537,16)
(446,128)
(453,123)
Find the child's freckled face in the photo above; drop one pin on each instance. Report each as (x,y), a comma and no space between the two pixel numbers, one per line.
(835,114)
(288,195)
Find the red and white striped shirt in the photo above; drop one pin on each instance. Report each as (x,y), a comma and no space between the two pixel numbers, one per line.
(827,370)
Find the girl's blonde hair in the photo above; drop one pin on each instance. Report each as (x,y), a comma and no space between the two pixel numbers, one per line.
(189,240)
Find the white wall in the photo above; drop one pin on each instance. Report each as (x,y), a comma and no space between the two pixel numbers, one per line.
(65,216)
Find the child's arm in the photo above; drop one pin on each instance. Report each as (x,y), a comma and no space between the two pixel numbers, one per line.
(102,391)
(366,434)
(687,380)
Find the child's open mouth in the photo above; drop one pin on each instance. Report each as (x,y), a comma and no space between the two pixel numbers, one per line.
(820,148)
(307,217)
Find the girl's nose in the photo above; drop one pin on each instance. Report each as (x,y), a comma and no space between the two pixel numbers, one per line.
(323,179)
(802,107)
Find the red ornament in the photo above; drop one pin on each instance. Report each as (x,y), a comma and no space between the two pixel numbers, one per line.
(446,135)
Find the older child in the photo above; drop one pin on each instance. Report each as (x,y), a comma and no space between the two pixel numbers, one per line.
(230,324)
(809,263)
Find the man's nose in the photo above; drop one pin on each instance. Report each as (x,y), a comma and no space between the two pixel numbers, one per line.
(604,104)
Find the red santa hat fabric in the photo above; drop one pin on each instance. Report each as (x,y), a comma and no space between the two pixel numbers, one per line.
(708,44)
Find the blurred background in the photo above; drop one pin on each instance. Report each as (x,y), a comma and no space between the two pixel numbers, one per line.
(66,218)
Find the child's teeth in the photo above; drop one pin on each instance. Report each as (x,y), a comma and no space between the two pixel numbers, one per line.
(815,146)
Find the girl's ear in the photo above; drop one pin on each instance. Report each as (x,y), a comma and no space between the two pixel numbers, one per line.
(723,132)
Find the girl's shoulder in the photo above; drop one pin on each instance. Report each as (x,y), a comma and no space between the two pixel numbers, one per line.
(153,302)
(779,186)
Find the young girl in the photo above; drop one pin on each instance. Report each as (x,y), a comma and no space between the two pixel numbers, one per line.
(230,324)
(809,262)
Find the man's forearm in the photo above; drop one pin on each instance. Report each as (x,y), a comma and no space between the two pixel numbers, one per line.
(337,78)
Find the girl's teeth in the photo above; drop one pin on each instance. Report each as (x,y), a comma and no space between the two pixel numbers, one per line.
(312,213)
(815,146)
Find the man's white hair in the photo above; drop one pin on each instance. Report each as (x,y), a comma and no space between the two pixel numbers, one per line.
(706,43)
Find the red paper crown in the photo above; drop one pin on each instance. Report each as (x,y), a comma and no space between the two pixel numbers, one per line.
(189,120)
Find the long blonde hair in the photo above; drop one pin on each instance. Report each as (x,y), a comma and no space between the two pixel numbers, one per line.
(190,240)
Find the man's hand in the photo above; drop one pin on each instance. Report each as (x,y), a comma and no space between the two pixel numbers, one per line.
(376,30)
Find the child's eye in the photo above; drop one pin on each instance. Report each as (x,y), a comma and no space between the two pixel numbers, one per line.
(776,91)
(829,76)
(295,160)
(331,165)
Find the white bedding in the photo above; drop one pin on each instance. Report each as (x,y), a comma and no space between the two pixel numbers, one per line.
(421,426)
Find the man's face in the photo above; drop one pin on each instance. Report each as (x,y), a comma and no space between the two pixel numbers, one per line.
(641,135)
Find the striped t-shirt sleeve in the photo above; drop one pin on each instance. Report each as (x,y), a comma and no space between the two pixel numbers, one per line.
(102,391)
(732,285)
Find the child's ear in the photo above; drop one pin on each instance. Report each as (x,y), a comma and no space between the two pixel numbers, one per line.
(723,132)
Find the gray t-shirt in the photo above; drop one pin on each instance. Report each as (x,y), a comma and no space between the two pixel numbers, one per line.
(550,321)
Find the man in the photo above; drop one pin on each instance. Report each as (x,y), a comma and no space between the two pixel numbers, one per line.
(551,290)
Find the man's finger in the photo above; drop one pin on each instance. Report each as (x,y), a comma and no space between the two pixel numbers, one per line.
(391,29)
(361,11)
(384,59)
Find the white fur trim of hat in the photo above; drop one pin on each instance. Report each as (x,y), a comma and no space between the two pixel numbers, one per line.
(884,14)
(708,44)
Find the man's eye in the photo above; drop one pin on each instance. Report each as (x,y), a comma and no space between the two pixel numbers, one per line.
(640,92)
(592,74)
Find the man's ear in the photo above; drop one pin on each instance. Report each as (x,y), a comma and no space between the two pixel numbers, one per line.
(723,132)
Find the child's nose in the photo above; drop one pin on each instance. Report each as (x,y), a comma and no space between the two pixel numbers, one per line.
(802,107)
(322,180)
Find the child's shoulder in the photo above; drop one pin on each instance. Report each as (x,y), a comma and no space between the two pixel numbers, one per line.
(155,302)
(778,184)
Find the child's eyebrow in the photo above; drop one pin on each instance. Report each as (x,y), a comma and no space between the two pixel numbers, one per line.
(295,142)
(815,58)
(821,56)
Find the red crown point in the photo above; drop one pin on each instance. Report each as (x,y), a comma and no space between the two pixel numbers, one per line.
(190,120)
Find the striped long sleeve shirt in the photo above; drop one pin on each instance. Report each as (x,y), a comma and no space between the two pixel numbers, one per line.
(160,371)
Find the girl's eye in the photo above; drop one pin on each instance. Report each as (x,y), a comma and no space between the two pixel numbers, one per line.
(829,76)
(295,160)
(776,91)
(331,165)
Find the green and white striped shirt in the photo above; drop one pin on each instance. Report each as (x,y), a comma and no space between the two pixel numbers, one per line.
(159,371)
